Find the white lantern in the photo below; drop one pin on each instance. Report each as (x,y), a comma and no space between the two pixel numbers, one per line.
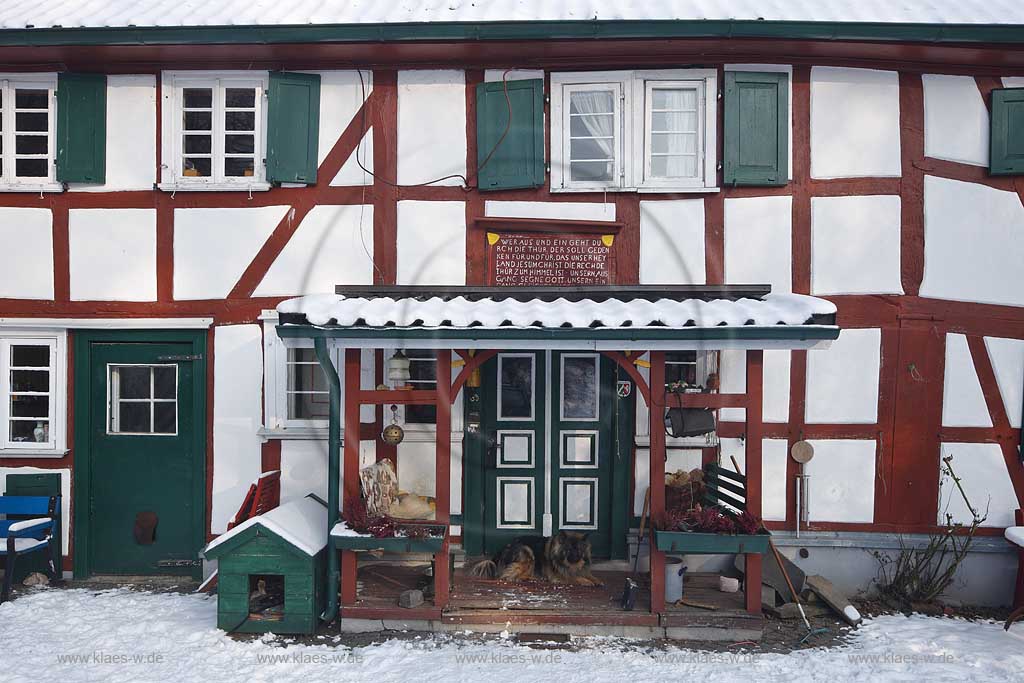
(398,368)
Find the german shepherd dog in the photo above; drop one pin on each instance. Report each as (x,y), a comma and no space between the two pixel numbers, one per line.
(562,558)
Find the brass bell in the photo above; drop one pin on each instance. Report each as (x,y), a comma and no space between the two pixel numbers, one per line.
(392,435)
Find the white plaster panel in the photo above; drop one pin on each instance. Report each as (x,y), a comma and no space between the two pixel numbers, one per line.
(672,242)
(855,245)
(65,497)
(569,211)
(237,416)
(685,459)
(774,453)
(973,243)
(955,119)
(855,123)
(732,371)
(113,254)
(1007,357)
(27,236)
(416,467)
(332,246)
(213,247)
(842,481)
(842,381)
(431,126)
(341,96)
(641,478)
(758,242)
(963,403)
(775,68)
(431,243)
(986,482)
(131,135)
(304,467)
(351,172)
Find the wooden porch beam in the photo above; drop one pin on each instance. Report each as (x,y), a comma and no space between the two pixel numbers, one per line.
(626,363)
(472,363)
(755,382)
(442,472)
(350,467)
(656,454)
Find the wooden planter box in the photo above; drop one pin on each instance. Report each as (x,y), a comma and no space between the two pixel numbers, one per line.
(396,544)
(694,543)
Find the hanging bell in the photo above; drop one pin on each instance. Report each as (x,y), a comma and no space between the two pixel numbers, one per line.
(393,434)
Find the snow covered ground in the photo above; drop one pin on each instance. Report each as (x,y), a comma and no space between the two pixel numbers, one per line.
(124,635)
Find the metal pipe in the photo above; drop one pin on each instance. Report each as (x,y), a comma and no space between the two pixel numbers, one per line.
(799,510)
(333,473)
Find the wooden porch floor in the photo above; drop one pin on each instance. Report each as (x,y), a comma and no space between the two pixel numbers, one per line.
(482,601)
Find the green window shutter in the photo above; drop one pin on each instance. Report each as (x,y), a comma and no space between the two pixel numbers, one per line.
(756,128)
(519,160)
(1006,147)
(293,127)
(81,128)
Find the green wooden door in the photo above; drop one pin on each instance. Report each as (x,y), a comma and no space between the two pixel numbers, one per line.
(547,428)
(142,459)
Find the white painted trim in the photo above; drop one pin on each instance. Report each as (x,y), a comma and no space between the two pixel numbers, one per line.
(548,421)
(500,463)
(522,345)
(114,396)
(564,464)
(499,507)
(57,342)
(107,323)
(533,386)
(9,82)
(595,487)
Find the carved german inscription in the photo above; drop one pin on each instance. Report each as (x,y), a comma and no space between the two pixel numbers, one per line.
(550,260)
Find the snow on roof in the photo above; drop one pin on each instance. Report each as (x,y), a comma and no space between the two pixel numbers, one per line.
(491,313)
(302,522)
(170,13)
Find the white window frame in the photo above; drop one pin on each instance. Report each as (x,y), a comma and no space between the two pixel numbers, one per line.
(56,447)
(9,82)
(172,85)
(114,399)
(634,114)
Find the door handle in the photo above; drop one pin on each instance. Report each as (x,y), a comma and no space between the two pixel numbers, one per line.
(492,451)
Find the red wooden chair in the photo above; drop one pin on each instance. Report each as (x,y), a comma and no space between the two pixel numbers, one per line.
(263,496)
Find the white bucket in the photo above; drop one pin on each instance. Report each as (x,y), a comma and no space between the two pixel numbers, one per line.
(673,579)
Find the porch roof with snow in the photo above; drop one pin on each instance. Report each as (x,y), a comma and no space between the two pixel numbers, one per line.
(598,318)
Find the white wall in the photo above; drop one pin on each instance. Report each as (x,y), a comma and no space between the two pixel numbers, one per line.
(732,369)
(972,243)
(431,126)
(431,243)
(842,382)
(568,211)
(65,497)
(774,455)
(237,415)
(963,403)
(672,242)
(341,96)
(855,123)
(113,254)
(332,246)
(358,168)
(213,247)
(27,236)
(983,475)
(131,135)
(842,481)
(955,119)
(855,245)
(1008,363)
(759,241)
(304,467)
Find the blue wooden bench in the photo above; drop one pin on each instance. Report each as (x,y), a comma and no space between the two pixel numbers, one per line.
(31,530)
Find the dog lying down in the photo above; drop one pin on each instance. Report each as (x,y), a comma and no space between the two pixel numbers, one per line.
(562,558)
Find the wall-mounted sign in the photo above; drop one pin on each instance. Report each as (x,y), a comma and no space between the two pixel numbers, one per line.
(538,259)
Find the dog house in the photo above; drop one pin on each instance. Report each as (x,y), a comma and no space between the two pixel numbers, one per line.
(271,570)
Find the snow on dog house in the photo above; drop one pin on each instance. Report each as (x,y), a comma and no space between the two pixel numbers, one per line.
(271,570)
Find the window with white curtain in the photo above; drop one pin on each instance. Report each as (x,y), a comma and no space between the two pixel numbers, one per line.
(633,131)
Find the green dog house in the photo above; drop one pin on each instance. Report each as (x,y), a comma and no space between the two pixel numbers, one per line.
(270,570)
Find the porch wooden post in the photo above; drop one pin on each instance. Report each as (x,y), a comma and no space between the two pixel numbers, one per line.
(657,475)
(442,469)
(350,467)
(755,432)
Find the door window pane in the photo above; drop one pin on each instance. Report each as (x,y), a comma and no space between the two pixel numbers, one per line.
(143,399)
(579,387)
(515,393)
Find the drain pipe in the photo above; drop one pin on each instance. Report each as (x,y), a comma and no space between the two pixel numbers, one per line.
(333,472)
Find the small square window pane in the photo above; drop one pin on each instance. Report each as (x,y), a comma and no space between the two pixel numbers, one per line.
(30,406)
(196,167)
(591,102)
(31,99)
(31,168)
(599,125)
(133,381)
(239,166)
(25,356)
(165,382)
(30,380)
(240,120)
(29,122)
(134,418)
(198,144)
(308,406)
(197,98)
(673,122)
(240,97)
(674,99)
(165,417)
(198,120)
(31,144)
(674,166)
(239,144)
(585,171)
(30,431)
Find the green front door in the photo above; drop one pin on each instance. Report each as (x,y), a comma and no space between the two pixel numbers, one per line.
(548,441)
(144,471)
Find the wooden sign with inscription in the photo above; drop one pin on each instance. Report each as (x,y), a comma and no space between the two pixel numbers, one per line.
(550,259)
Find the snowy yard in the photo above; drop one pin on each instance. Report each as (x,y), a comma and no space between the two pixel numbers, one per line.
(123,635)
